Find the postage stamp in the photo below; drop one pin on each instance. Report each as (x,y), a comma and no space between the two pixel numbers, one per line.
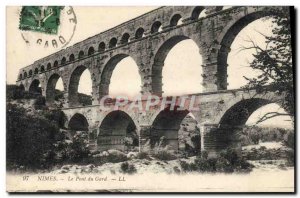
(44,19)
(47,26)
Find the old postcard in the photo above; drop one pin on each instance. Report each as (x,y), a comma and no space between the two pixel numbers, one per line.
(150,99)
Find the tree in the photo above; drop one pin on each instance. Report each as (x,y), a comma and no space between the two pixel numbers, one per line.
(30,139)
(275,63)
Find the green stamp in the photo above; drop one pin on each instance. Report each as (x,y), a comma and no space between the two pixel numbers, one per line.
(45,19)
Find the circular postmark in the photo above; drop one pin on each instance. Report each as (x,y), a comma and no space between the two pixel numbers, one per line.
(47,26)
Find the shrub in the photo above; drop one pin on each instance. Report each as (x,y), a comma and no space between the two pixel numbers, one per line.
(115,156)
(231,155)
(289,140)
(228,161)
(30,139)
(128,168)
(185,166)
(84,99)
(203,165)
(165,155)
(290,155)
(39,102)
(176,169)
(143,155)
(78,150)
(14,92)
(223,165)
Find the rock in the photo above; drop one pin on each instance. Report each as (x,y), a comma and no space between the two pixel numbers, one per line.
(116,152)
(132,155)
(65,167)
(90,166)
(104,154)
(63,171)
(98,155)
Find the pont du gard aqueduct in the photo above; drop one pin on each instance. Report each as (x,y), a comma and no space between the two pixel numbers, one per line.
(148,39)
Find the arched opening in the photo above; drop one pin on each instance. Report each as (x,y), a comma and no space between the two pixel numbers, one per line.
(156,27)
(91,51)
(30,73)
(55,90)
(233,60)
(197,12)
(254,112)
(20,77)
(113,80)
(117,131)
(35,87)
(80,54)
(176,20)
(139,33)
(176,72)
(25,74)
(80,87)
(101,47)
(125,38)
(177,130)
(48,66)
(42,68)
(36,71)
(63,61)
(113,43)
(55,64)
(72,58)
(78,123)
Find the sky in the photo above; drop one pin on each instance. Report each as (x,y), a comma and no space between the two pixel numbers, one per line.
(182,69)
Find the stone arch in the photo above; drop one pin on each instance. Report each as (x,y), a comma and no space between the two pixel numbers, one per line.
(159,60)
(36,70)
(107,73)
(42,68)
(30,73)
(125,38)
(20,77)
(167,124)
(114,128)
(156,27)
(25,74)
(91,51)
(34,87)
(50,88)
(48,66)
(63,61)
(238,112)
(226,38)
(55,64)
(175,19)
(140,33)
(78,122)
(196,12)
(80,54)
(113,42)
(101,47)
(232,121)
(73,85)
(71,58)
